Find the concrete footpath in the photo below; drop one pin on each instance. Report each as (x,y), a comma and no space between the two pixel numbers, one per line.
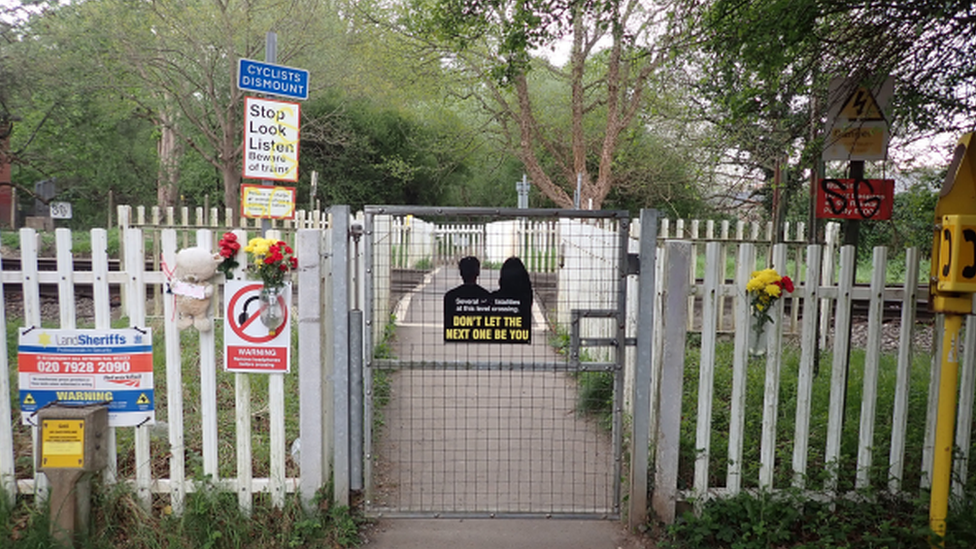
(500,533)
(465,440)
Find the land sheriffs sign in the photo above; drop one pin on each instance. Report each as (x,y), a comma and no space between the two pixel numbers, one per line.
(78,367)
(271,132)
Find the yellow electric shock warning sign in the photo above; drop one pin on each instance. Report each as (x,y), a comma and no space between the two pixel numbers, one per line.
(861,105)
(63,444)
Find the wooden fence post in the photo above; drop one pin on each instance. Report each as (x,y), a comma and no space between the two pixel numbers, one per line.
(669,415)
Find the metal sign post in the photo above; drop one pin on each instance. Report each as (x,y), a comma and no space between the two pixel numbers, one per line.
(271,127)
(522,188)
(271,56)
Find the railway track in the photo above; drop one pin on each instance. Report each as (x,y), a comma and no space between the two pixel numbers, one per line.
(50,291)
(891,311)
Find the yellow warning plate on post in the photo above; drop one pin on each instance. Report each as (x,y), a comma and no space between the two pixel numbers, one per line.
(957,254)
(861,105)
(63,443)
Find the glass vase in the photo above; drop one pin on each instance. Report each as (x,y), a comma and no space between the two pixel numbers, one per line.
(272,307)
(758,339)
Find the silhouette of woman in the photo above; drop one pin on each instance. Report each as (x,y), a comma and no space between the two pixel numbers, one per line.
(514,283)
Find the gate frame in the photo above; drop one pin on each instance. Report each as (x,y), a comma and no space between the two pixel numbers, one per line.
(641,392)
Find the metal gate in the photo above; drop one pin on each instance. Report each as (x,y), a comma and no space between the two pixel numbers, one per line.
(489,404)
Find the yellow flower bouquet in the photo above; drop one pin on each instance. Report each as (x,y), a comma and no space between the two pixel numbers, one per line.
(764,288)
(271,260)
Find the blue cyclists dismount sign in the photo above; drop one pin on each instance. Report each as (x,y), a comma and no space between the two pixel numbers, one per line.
(260,77)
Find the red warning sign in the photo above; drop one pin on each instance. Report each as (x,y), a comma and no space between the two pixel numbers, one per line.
(869,199)
(250,345)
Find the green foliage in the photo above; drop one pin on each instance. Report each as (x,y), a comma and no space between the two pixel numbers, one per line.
(594,389)
(24,525)
(211,519)
(912,221)
(90,140)
(595,396)
(748,521)
(559,339)
(651,171)
(369,154)
(384,349)
(515,27)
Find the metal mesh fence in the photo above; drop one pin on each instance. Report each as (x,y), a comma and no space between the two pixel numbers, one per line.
(479,401)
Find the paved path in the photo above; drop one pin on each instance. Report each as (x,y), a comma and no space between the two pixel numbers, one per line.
(482,441)
(500,534)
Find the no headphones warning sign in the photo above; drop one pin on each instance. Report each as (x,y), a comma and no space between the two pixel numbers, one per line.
(251,345)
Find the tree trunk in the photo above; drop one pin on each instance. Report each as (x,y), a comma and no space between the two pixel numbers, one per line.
(170,151)
(231,175)
(577,107)
(526,150)
(229,152)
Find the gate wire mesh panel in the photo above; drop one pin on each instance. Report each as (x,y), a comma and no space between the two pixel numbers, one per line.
(511,426)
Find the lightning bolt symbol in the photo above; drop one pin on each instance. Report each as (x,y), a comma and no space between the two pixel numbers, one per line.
(860,102)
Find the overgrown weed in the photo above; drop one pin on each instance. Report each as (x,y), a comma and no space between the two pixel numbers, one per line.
(212,519)
(792,519)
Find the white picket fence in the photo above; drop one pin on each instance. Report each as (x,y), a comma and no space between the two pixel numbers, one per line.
(187,222)
(563,246)
(436,244)
(134,279)
(676,260)
(824,277)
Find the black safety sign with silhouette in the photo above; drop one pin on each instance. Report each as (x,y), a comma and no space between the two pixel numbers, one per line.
(472,314)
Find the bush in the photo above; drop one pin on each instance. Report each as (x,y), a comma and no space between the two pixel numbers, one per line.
(749,521)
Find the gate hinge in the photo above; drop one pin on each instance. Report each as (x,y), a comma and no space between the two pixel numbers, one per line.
(633,264)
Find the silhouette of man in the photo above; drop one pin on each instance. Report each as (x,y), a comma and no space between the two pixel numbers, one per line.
(470,294)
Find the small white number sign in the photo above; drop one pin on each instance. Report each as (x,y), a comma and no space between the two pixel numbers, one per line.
(61,210)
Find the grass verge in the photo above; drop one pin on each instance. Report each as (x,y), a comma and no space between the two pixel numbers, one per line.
(789,520)
(212,520)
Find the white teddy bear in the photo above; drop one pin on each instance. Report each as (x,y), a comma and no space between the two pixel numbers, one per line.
(194,269)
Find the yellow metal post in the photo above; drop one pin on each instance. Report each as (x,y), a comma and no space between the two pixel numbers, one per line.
(951,288)
(945,424)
